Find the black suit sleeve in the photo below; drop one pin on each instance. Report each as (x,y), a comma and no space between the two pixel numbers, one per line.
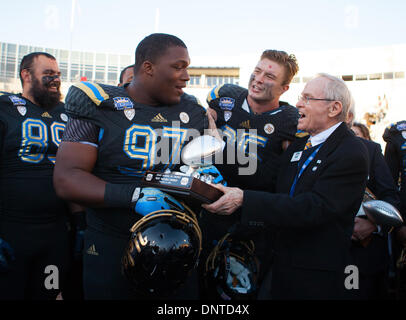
(335,195)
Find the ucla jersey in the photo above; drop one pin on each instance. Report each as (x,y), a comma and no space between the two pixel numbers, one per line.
(243,128)
(29,139)
(133,138)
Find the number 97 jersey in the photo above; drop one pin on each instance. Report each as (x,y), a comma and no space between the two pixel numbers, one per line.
(134,138)
(29,139)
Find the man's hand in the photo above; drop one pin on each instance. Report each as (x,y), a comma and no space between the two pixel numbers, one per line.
(212,117)
(363,228)
(212,172)
(228,203)
(6,256)
(211,114)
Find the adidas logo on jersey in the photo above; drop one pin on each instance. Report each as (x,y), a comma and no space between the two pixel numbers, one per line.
(46,115)
(245,124)
(92,250)
(159,118)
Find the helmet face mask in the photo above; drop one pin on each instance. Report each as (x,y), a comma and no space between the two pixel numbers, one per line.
(232,270)
(164,248)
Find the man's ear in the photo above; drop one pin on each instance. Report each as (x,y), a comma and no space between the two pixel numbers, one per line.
(335,109)
(285,88)
(26,75)
(148,68)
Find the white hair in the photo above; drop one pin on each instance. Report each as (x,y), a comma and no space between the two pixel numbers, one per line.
(337,90)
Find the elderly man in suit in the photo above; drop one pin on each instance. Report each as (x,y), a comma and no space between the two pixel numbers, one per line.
(319,190)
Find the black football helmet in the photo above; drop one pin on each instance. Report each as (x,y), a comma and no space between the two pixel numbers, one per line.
(164,245)
(232,269)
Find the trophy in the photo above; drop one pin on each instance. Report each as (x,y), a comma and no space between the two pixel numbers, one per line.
(191,184)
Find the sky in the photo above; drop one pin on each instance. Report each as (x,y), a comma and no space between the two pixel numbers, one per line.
(208,27)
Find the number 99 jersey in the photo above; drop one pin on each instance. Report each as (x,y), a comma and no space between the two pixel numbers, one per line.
(29,139)
(133,138)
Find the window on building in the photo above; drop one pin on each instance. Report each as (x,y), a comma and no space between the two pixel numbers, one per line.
(360,77)
(375,76)
(399,75)
(348,77)
(388,75)
(194,81)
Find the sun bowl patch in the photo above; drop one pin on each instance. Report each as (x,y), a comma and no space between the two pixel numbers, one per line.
(17,101)
(226,103)
(121,103)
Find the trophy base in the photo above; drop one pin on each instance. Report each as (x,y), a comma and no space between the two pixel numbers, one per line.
(185,187)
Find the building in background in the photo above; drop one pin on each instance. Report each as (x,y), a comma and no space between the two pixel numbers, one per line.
(74,65)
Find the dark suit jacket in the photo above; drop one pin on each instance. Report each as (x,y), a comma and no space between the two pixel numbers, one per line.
(315,225)
(374,258)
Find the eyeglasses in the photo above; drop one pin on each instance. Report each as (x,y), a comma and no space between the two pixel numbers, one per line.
(307,99)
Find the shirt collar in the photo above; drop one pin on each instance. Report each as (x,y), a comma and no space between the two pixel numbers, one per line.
(322,136)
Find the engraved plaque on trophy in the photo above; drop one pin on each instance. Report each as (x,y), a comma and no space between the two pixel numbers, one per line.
(196,154)
(184,186)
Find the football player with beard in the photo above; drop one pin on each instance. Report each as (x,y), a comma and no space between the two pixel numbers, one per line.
(34,246)
(254,117)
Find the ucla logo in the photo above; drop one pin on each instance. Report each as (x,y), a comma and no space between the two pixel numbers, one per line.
(226,103)
(121,103)
(17,101)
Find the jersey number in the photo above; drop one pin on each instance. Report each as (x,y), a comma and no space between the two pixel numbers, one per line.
(34,143)
(243,140)
(141,143)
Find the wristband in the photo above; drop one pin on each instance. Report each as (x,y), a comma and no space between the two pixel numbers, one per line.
(121,195)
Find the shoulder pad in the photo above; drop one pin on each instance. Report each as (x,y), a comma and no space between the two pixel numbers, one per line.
(81,100)
(393,130)
(93,90)
(226,90)
(301,134)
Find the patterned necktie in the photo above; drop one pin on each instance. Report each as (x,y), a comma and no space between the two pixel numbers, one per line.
(308,144)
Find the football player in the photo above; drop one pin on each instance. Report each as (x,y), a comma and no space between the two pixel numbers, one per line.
(253,117)
(114,135)
(34,253)
(126,75)
(395,155)
(256,116)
